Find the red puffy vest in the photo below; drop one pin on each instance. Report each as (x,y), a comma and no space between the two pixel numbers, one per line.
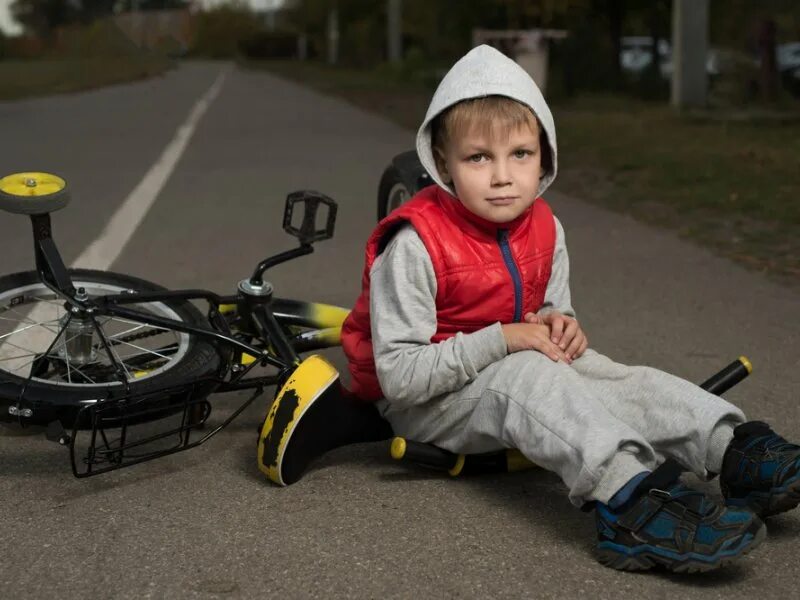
(485,272)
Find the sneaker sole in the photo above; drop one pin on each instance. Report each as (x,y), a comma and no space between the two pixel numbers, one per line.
(784,502)
(647,560)
(767,505)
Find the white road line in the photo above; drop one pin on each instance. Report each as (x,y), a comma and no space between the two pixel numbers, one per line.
(103,251)
(109,245)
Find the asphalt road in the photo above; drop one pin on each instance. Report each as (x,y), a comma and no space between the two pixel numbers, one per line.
(206,524)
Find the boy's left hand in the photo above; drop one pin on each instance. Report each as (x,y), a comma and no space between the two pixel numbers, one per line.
(564,331)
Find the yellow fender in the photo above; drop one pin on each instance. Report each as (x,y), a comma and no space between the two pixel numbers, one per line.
(308,383)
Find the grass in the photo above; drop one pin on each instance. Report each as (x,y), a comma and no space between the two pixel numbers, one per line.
(730,185)
(27,78)
(726,181)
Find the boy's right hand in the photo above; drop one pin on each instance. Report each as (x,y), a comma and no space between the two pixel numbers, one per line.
(532,336)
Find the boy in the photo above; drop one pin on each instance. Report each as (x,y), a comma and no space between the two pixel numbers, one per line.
(465,335)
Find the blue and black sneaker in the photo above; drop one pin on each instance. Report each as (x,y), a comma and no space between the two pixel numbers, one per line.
(761,470)
(665,523)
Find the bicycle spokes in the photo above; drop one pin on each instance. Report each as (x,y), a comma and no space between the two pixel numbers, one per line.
(40,339)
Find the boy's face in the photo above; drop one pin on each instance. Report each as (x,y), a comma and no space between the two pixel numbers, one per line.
(495,175)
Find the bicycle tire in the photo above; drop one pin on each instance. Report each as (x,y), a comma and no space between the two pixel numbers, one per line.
(390,190)
(201,360)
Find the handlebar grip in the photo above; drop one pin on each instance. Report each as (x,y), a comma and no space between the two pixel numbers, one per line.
(427,455)
(728,377)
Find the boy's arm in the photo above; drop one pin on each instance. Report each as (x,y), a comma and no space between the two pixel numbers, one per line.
(410,368)
(556,311)
(557,296)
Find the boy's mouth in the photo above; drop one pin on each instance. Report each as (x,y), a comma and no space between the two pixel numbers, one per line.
(502,200)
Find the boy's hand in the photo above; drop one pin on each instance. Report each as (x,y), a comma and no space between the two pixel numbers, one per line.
(532,336)
(564,331)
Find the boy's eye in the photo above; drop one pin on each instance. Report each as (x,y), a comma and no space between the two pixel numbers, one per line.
(476,157)
(522,153)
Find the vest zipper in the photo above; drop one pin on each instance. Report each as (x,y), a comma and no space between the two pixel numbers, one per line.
(502,239)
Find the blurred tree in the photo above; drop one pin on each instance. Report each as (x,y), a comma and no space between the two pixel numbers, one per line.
(436,32)
(655,18)
(221,29)
(614,12)
(362,25)
(161,4)
(768,81)
(435,29)
(755,29)
(41,17)
(89,10)
(735,23)
(441,35)
(520,14)
(309,17)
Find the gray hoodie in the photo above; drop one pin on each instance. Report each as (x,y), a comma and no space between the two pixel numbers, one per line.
(484,71)
(411,369)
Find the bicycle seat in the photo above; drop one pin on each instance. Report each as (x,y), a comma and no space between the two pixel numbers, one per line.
(33,193)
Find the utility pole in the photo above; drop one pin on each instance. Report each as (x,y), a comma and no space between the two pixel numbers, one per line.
(394,27)
(333,36)
(138,22)
(689,50)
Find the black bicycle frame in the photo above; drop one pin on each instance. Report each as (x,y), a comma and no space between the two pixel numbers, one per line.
(54,274)
(265,319)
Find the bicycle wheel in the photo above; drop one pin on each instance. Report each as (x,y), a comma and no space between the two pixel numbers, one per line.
(78,370)
(392,191)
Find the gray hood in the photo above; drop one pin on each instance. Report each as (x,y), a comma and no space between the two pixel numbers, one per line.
(484,71)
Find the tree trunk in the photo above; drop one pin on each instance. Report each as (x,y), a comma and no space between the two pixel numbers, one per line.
(768,79)
(616,17)
(654,19)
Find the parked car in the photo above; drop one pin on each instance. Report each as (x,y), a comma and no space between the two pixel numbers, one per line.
(636,55)
(788,56)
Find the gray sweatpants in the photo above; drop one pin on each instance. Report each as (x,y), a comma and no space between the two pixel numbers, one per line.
(595,423)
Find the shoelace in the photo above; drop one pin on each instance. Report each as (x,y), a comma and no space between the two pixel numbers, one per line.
(773,443)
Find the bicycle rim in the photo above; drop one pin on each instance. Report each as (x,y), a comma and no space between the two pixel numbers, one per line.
(32,318)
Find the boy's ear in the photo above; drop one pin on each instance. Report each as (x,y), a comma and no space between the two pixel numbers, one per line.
(441,165)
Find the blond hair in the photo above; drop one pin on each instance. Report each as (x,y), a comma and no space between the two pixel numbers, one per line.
(488,115)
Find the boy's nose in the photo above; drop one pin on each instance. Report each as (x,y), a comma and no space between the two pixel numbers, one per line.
(500,174)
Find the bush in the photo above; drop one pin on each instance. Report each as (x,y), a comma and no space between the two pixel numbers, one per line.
(737,82)
(415,68)
(221,30)
(101,38)
(362,44)
(24,47)
(269,44)
(168,46)
(584,61)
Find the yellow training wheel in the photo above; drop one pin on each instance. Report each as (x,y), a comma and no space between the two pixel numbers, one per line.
(33,193)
